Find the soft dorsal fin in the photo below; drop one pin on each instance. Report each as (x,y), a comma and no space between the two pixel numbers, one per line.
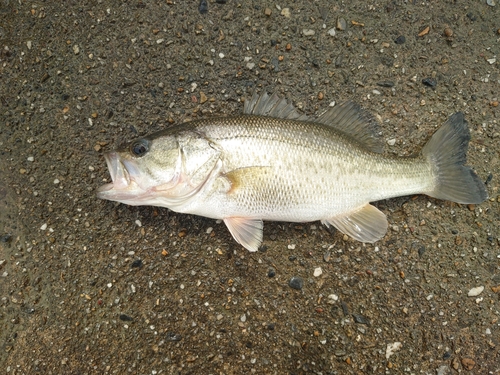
(272,106)
(350,119)
(365,224)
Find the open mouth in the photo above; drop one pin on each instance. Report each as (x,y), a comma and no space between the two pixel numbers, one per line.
(119,176)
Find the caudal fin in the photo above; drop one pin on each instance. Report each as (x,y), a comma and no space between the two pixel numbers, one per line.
(446,150)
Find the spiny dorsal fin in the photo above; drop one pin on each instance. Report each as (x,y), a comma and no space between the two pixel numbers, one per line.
(272,106)
(350,119)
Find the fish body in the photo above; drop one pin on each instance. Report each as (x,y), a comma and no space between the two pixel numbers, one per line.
(272,163)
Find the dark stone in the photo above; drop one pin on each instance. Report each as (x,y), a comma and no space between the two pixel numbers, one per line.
(400,39)
(6,238)
(488,179)
(203,8)
(172,336)
(361,319)
(431,82)
(345,308)
(471,16)
(271,272)
(385,84)
(296,283)
(137,263)
(126,318)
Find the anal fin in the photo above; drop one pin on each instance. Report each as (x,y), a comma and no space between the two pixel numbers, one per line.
(247,232)
(365,224)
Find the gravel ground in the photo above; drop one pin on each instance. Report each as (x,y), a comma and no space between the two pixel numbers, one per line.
(94,287)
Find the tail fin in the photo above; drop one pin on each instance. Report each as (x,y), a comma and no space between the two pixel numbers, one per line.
(446,151)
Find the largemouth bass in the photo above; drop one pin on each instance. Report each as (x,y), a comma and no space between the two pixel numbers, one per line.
(271,163)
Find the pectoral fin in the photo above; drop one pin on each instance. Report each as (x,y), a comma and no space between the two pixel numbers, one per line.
(365,224)
(247,232)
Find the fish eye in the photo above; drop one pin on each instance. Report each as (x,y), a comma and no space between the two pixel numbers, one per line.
(140,147)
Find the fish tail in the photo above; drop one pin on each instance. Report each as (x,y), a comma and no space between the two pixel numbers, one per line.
(446,151)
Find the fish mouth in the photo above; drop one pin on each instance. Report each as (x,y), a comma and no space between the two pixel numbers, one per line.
(120,176)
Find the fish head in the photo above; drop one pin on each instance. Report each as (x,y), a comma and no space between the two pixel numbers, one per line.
(164,169)
(140,168)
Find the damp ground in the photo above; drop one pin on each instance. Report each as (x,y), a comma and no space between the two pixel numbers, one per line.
(94,287)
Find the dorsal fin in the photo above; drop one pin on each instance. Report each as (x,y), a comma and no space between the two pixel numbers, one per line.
(347,118)
(272,106)
(350,119)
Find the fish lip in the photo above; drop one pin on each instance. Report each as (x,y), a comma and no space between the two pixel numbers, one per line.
(119,175)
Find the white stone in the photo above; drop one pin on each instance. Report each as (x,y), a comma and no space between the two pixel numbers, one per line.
(392,348)
(286,12)
(475,291)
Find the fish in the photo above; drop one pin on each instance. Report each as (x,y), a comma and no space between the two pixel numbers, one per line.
(273,163)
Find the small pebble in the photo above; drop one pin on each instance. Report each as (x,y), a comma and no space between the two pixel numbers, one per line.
(296,283)
(391,142)
(318,272)
(424,31)
(361,319)
(400,39)
(286,12)
(448,32)
(468,363)
(308,32)
(385,84)
(331,32)
(491,3)
(271,272)
(126,318)
(431,82)
(332,298)
(392,348)
(475,291)
(136,263)
(172,336)
(341,24)
(203,8)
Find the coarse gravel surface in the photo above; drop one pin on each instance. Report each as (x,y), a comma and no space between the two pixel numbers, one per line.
(95,287)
